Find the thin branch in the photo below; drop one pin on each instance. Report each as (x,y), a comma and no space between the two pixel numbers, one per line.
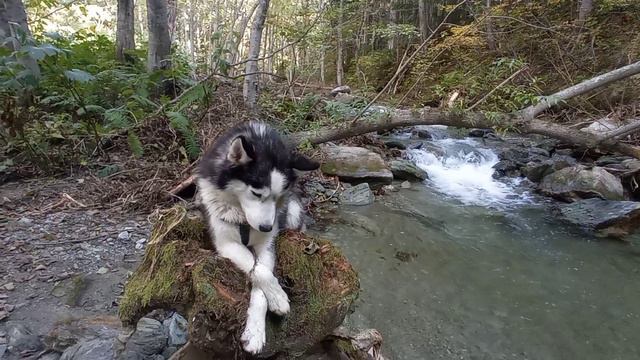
(496,88)
(624,131)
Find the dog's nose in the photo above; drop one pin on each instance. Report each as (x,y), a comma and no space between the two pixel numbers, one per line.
(265,228)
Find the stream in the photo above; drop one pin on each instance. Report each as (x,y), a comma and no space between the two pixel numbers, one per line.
(464,266)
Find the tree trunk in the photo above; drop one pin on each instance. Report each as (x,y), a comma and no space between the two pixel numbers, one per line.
(585,10)
(250,90)
(393,19)
(491,39)
(339,50)
(172,18)
(423,23)
(13,22)
(125,32)
(159,39)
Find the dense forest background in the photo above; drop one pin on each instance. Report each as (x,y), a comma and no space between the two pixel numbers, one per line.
(83,77)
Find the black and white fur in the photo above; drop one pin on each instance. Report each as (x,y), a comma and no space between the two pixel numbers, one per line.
(247,178)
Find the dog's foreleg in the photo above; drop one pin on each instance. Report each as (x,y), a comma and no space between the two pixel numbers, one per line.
(294,215)
(254,336)
(263,273)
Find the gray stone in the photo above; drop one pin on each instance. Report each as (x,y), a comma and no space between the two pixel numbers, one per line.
(356,165)
(536,171)
(177,330)
(169,351)
(50,356)
(605,217)
(97,349)
(479,132)
(148,339)
(505,168)
(21,340)
(124,236)
(395,144)
(421,134)
(340,89)
(3,349)
(358,195)
(576,182)
(406,170)
(405,185)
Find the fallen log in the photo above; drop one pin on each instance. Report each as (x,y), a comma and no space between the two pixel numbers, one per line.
(428,116)
(180,271)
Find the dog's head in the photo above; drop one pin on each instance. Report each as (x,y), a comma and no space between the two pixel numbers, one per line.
(259,169)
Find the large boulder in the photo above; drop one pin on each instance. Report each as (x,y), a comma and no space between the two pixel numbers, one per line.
(180,271)
(537,170)
(356,165)
(407,170)
(605,217)
(578,182)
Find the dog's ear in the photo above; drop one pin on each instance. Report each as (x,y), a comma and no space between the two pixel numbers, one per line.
(303,163)
(240,151)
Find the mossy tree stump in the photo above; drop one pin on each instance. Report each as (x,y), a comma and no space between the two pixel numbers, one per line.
(181,271)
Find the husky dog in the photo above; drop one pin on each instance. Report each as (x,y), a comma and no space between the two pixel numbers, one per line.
(245,183)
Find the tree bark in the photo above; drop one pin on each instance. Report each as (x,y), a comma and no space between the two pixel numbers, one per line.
(584,10)
(491,38)
(13,22)
(423,23)
(339,50)
(549,101)
(125,32)
(250,90)
(429,116)
(159,39)
(172,14)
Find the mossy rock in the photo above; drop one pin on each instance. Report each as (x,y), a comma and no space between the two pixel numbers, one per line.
(181,271)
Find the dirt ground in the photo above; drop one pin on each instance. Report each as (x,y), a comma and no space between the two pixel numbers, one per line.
(62,257)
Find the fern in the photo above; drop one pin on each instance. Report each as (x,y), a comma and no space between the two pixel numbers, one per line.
(193,95)
(181,124)
(135,145)
(116,118)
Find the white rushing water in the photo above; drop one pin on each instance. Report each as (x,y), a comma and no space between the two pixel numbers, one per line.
(464,170)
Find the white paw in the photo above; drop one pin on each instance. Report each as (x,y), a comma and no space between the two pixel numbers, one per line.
(276,297)
(253,338)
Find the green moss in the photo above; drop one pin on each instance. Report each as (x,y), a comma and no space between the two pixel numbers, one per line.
(78,285)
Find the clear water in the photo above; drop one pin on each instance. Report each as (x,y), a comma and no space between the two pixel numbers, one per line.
(465,267)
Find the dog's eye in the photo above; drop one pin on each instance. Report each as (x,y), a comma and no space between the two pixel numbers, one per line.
(256,194)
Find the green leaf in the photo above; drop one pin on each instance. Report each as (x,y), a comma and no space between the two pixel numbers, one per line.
(135,145)
(78,75)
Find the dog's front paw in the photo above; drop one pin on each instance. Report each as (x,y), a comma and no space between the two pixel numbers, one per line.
(253,338)
(276,297)
(278,300)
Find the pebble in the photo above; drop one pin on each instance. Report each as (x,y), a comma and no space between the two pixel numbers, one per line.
(41,267)
(9,286)
(103,270)
(124,235)
(140,243)
(405,185)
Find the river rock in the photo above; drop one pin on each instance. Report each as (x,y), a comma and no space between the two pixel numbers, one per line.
(177,330)
(406,170)
(50,356)
(21,341)
(479,132)
(506,168)
(358,195)
(148,339)
(606,217)
(421,134)
(97,349)
(536,171)
(395,144)
(356,165)
(340,89)
(576,182)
